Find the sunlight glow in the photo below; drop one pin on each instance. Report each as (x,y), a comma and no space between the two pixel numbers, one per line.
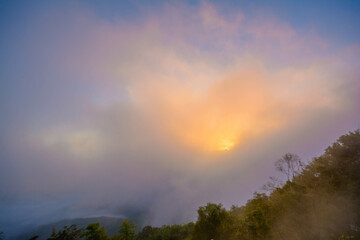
(225,144)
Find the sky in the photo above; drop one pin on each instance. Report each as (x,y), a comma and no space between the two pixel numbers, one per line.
(154,108)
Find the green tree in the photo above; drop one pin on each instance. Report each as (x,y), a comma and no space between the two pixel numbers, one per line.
(332,184)
(255,222)
(146,232)
(68,233)
(167,232)
(94,232)
(324,198)
(213,222)
(127,230)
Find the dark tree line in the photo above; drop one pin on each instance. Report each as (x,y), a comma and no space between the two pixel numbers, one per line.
(93,231)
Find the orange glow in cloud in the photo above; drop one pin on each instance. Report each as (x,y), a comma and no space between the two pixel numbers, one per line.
(218,119)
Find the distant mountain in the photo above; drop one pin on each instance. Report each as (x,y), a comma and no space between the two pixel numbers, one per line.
(110,223)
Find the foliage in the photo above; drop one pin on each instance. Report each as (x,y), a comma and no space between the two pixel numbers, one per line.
(214,222)
(127,230)
(94,232)
(68,233)
(255,222)
(166,232)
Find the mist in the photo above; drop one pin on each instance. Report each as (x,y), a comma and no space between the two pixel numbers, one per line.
(153,113)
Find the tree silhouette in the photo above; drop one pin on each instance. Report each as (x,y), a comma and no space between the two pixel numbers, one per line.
(290,164)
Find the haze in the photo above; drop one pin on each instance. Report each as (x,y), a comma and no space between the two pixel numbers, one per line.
(151,109)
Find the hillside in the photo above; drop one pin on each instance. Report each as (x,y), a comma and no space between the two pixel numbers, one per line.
(110,223)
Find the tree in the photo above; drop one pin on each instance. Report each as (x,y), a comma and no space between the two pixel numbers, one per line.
(127,230)
(68,233)
(255,222)
(146,232)
(272,184)
(166,232)
(213,222)
(94,232)
(290,164)
(324,198)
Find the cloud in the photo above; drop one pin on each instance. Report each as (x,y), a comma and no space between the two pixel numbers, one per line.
(155,103)
(80,143)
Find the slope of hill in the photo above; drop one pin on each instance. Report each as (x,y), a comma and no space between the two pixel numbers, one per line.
(110,223)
